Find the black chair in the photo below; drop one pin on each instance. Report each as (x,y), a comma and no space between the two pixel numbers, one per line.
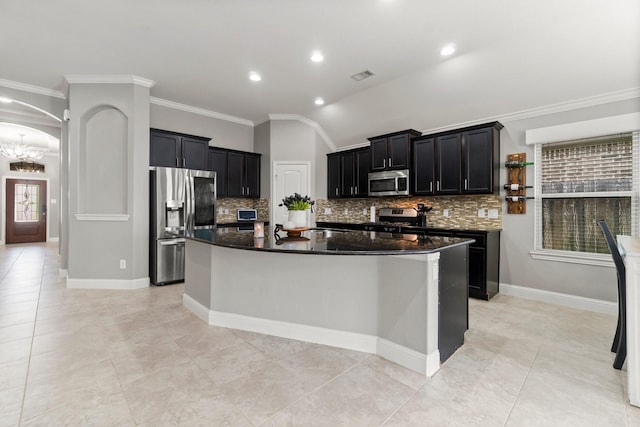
(619,345)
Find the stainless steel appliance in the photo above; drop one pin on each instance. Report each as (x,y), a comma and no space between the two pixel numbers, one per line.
(181,200)
(389,183)
(400,220)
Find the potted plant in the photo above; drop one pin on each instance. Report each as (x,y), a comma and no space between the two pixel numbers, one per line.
(297,206)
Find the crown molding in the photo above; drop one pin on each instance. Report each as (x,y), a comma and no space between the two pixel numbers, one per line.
(591,101)
(307,122)
(200,111)
(109,79)
(32,89)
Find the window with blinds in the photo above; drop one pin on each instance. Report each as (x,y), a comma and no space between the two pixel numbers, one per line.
(582,182)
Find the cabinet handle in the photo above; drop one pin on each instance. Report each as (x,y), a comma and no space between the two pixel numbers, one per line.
(384,163)
(184,162)
(177,162)
(242,191)
(465,183)
(437,185)
(430,186)
(390,162)
(356,189)
(351,190)
(337,191)
(247,191)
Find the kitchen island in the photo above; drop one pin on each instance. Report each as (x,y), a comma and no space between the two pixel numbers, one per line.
(402,298)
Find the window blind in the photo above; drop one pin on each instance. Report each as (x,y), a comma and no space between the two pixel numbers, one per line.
(577,182)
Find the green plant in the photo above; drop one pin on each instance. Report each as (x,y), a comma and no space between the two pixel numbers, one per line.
(297,202)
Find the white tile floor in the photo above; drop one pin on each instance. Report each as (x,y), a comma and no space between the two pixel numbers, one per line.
(122,358)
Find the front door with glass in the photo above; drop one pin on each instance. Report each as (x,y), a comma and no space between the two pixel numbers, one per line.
(26,205)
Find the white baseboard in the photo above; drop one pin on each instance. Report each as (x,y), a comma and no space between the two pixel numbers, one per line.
(63,273)
(108,283)
(403,356)
(566,300)
(53,239)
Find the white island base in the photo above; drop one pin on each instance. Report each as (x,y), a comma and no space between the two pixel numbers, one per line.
(381,304)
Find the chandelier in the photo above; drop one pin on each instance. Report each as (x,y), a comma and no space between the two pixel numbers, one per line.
(21,151)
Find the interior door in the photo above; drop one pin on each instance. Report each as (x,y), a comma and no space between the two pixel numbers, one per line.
(26,204)
(289,179)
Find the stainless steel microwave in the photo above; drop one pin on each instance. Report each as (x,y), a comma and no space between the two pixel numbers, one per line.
(389,183)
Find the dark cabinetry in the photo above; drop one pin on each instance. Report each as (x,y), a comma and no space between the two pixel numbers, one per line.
(237,172)
(464,161)
(348,173)
(392,151)
(176,150)
(484,260)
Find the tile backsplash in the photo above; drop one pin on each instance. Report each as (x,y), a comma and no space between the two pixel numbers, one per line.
(462,210)
(228,208)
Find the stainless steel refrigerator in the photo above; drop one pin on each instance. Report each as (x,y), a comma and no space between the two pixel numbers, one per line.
(181,200)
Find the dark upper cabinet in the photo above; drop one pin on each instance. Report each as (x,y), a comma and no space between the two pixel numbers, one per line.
(392,151)
(334,175)
(423,167)
(176,150)
(480,149)
(243,174)
(348,173)
(467,161)
(237,172)
(448,150)
(218,163)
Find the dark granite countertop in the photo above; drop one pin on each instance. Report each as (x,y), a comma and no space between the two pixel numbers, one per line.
(422,230)
(325,241)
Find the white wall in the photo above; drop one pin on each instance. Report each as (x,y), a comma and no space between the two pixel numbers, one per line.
(223,133)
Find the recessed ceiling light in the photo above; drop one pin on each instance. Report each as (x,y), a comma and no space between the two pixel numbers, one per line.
(448,50)
(253,76)
(5,100)
(319,101)
(317,56)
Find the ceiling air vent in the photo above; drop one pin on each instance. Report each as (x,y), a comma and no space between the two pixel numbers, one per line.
(363,75)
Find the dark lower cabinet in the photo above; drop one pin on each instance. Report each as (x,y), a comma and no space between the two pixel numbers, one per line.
(176,150)
(484,261)
(453,301)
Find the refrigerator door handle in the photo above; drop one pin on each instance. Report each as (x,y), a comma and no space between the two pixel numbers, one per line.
(171,242)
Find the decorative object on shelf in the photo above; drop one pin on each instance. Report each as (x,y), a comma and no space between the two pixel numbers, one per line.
(297,206)
(21,151)
(516,183)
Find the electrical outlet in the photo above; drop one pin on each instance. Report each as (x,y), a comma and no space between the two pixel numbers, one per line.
(123,264)
(364,212)
(493,213)
(445,213)
(346,211)
(482,213)
(226,211)
(327,211)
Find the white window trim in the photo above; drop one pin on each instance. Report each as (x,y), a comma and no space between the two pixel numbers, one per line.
(578,130)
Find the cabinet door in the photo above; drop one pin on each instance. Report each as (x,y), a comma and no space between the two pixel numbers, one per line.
(423,166)
(478,161)
(164,150)
(252,175)
(398,152)
(361,175)
(448,158)
(235,174)
(333,176)
(346,181)
(378,154)
(194,153)
(477,272)
(218,164)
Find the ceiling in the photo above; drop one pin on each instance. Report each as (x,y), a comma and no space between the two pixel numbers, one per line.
(511,55)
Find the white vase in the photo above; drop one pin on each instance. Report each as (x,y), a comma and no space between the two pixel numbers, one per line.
(299,218)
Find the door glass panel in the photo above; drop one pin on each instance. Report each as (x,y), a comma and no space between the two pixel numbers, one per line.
(205,197)
(27,203)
